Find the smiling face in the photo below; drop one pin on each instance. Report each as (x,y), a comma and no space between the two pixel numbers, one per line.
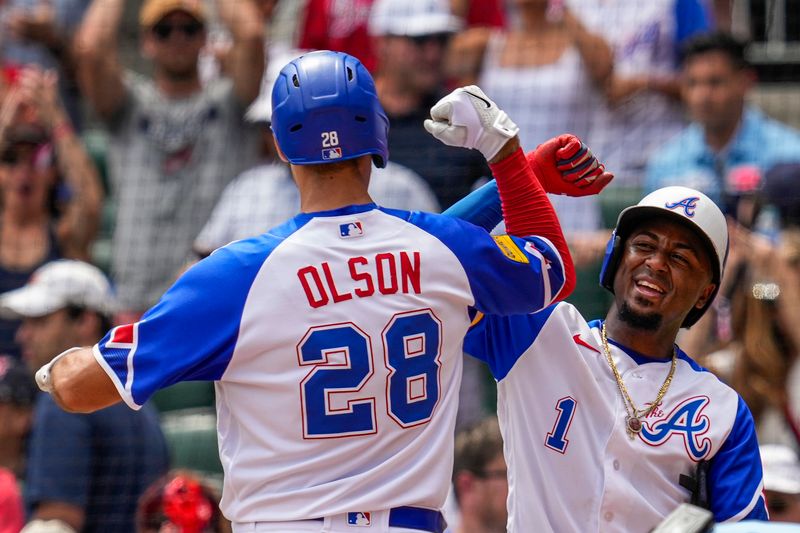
(664,273)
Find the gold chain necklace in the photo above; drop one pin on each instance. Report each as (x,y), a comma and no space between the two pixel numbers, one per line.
(633,420)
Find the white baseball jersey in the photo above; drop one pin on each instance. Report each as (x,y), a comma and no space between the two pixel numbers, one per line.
(571,463)
(336,344)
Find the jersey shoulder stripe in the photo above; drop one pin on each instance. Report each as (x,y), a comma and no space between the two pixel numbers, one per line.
(500,285)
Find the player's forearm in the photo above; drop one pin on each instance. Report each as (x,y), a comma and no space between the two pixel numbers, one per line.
(527,210)
(80,385)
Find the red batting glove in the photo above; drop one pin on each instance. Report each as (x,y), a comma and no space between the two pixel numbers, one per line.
(564,165)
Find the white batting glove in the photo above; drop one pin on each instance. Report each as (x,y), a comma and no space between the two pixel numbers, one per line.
(468,118)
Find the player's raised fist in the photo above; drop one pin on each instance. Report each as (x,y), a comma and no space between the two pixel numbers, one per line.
(564,165)
(468,118)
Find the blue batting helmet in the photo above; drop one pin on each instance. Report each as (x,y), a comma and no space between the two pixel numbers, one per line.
(688,206)
(325,109)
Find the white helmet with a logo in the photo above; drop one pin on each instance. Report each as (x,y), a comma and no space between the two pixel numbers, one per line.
(688,205)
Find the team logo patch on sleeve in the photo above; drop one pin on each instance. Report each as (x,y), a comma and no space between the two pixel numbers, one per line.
(510,248)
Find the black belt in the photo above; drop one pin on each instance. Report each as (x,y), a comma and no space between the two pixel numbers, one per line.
(413,518)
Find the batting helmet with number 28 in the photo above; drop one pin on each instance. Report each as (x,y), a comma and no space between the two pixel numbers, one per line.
(325,109)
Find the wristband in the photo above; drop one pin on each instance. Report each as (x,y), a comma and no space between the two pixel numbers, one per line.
(43,375)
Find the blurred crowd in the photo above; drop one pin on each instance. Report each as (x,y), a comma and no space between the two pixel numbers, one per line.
(134,140)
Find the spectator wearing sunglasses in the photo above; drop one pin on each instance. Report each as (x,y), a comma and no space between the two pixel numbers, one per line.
(50,191)
(175,143)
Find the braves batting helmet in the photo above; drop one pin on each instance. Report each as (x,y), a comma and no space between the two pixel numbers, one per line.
(689,206)
(325,109)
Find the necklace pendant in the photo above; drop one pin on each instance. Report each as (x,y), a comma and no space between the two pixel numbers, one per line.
(634,426)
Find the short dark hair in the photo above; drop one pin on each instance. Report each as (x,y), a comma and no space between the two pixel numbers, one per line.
(718,41)
(477,446)
(75,311)
(17,386)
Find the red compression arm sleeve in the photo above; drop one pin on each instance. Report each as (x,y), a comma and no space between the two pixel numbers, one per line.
(527,210)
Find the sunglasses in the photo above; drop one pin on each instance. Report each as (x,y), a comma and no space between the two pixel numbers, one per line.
(163,30)
(438,38)
(41,156)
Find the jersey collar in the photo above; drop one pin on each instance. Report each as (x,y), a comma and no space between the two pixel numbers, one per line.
(302,218)
(637,357)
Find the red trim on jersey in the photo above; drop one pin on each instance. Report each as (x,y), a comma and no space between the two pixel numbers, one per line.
(527,210)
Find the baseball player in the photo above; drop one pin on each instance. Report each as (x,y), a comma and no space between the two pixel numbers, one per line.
(335,340)
(608,425)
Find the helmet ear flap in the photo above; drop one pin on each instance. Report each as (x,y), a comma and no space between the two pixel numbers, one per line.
(610,261)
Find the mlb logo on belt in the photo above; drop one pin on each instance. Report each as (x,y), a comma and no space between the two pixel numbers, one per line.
(351,229)
(359,519)
(332,153)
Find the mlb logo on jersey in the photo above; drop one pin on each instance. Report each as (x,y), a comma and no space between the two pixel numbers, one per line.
(332,153)
(359,519)
(351,229)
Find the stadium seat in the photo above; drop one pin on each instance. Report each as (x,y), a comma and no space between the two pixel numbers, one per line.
(185,395)
(192,439)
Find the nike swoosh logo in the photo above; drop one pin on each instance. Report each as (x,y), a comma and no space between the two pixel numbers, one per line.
(581,342)
(482,99)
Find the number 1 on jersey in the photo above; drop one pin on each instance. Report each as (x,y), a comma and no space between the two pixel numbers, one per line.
(557,438)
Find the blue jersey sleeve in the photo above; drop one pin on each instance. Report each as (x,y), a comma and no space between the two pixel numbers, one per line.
(735,475)
(190,334)
(481,207)
(501,341)
(507,275)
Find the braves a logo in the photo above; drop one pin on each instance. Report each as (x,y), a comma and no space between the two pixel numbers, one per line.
(688,204)
(687,421)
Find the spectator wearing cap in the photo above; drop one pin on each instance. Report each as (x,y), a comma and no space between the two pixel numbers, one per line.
(50,189)
(183,502)
(781,482)
(341,25)
(410,42)
(725,131)
(85,471)
(174,143)
(266,195)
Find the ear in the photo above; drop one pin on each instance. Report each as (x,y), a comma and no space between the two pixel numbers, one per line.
(278,149)
(705,295)
(749,79)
